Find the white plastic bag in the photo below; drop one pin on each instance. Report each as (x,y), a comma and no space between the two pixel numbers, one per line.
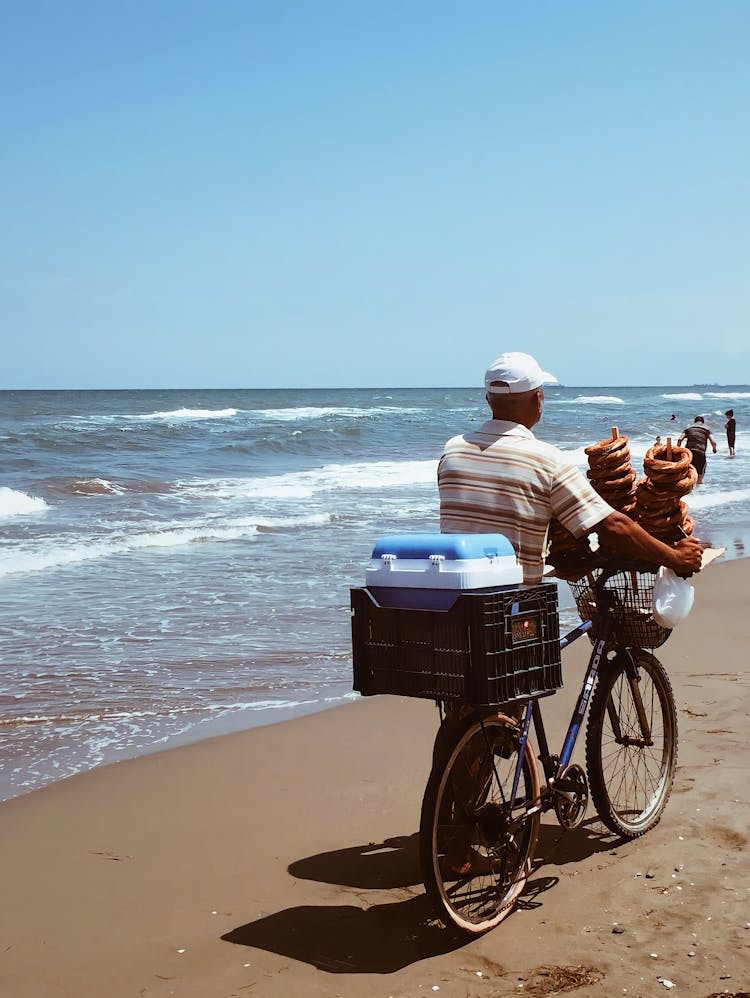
(672,599)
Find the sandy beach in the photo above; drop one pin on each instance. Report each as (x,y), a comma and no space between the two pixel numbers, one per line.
(283,861)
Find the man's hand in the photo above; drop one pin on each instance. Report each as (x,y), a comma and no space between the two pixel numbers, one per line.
(687,556)
(620,534)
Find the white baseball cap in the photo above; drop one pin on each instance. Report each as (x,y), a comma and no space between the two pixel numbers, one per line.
(513,373)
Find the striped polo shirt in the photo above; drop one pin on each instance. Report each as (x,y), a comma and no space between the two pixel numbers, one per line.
(500,478)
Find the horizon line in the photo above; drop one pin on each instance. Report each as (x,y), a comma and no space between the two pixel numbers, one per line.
(366,388)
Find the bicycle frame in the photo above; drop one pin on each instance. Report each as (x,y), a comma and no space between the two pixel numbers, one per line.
(553,766)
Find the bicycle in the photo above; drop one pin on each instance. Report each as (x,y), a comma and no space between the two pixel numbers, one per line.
(483,801)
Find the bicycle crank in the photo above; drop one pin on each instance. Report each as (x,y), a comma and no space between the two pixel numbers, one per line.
(571,796)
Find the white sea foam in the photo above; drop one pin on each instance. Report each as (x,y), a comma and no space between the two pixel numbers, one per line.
(639,445)
(728,395)
(25,557)
(138,714)
(329,478)
(684,396)
(576,455)
(187,414)
(13,503)
(96,487)
(426,507)
(278,523)
(699,499)
(598,400)
(379,474)
(321,412)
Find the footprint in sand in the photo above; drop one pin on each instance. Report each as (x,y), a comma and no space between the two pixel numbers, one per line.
(727,837)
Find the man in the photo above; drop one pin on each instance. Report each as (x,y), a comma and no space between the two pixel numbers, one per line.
(500,478)
(697,437)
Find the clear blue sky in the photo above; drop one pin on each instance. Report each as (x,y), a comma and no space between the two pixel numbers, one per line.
(271,194)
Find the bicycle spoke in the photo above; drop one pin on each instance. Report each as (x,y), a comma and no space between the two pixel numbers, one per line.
(631,746)
(476,843)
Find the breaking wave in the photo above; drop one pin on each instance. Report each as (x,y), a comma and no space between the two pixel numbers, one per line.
(598,400)
(14,503)
(329,478)
(35,557)
(187,414)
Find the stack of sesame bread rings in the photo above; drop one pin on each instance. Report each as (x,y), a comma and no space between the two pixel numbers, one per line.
(660,505)
(656,501)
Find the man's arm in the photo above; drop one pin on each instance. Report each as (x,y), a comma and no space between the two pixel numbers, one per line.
(713,442)
(621,534)
(680,439)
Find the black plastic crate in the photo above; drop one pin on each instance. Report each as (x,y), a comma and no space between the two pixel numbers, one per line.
(490,647)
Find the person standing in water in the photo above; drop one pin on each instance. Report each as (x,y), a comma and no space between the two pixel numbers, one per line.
(697,437)
(731,427)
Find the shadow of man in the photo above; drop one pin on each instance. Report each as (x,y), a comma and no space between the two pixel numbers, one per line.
(377,865)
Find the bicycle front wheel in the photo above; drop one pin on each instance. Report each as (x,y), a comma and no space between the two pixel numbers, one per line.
(476,840)
(631,742)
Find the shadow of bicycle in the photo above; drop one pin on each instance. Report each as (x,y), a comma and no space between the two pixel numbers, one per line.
(346,939)
(383,938)
(558,847)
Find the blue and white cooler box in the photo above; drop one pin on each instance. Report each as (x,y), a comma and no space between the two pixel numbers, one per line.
(446,617)
(428,571)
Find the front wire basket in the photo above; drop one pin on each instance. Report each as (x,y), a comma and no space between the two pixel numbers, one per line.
(632,606)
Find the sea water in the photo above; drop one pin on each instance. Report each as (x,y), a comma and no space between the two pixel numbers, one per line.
(175,564)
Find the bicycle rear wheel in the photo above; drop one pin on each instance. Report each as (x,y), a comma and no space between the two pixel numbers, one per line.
(476,843)
(631,742)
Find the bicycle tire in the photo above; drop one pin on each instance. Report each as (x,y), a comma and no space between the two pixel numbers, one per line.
(631,778)
(468,824)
